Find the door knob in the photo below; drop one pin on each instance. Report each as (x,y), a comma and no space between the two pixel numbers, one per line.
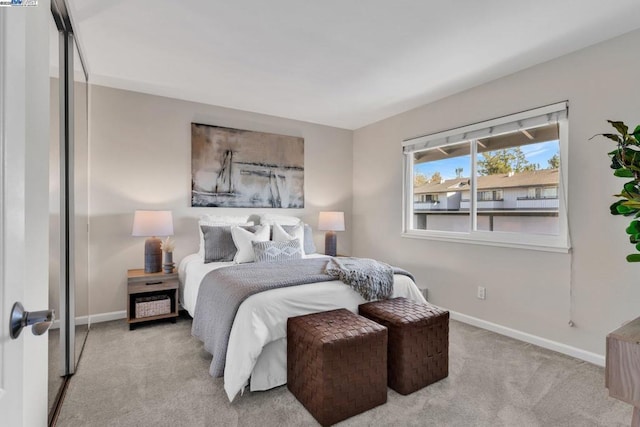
(40,320)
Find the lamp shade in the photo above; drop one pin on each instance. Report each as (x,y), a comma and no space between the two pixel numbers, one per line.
(152,223)
(331,221)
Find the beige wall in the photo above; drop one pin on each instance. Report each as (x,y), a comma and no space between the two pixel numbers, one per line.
(140,158)
(526,290)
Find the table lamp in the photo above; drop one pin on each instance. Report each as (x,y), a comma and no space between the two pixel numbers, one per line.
(331,222)
(152,224)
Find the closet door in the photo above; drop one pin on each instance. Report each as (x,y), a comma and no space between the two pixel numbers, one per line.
(80,261)
(68,198)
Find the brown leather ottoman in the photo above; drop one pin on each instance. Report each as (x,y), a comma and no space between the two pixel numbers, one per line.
(336,364)
(418,341)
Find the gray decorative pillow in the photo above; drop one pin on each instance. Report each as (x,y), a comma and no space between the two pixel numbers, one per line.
(277,251)
(309,246)
(218,243)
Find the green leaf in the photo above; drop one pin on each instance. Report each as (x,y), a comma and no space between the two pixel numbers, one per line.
(636,133)
(620,208)
(633,228)
(630,155)
(634,238)
(625,195)
(633,204)
(633,258)
(623,210)
(620,127)
(611,136)
(615,162)
(631,187)
(635,157)
(622,172)
(614,207)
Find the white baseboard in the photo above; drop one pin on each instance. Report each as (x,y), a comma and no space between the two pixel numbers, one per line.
(106,317)
(578,353)
(81,320)
(94,318)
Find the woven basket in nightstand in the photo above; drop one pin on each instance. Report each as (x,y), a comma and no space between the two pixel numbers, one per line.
(152,306)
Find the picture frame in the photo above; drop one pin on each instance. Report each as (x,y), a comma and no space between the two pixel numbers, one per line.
(239,168)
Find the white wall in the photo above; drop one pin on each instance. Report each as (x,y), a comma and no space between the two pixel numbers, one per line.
(526,290)
(140,158)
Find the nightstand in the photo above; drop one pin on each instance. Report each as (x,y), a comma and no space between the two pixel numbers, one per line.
(148,292)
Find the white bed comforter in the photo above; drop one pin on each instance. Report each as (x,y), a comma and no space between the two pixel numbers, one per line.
(257,344)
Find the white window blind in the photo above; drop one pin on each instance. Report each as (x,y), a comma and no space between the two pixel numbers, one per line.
(529,119)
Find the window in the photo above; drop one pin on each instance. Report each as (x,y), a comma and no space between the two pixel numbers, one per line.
(549,193)
(425,198)
(500,182)
(489,196)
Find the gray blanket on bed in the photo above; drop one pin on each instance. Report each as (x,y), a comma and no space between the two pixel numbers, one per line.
(223,290)
(370,278)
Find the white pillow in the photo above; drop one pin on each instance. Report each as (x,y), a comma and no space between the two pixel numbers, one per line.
(212,224)
(243,238)
(271,219)
(297,233)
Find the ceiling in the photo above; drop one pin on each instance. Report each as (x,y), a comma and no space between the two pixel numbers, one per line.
(342,63)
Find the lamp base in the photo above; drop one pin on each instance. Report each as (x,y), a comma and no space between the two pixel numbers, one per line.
(330,243)
(152,255)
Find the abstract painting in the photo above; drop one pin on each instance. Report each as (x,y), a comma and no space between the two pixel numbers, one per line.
(237,168)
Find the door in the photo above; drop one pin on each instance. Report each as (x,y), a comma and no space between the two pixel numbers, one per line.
(24,192)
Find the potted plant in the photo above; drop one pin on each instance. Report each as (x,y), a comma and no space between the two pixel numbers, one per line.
(625,162)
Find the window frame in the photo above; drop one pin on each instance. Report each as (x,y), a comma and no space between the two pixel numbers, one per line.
(552,243)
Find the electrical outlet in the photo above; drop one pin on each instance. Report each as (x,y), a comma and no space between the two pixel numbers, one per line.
(482,292)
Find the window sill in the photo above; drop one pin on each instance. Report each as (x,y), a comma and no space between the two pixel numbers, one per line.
(472,240)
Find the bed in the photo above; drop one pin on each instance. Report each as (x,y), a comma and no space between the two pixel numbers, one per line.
(256,352)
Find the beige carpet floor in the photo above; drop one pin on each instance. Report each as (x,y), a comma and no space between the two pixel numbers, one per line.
(157,375)
(56,381)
